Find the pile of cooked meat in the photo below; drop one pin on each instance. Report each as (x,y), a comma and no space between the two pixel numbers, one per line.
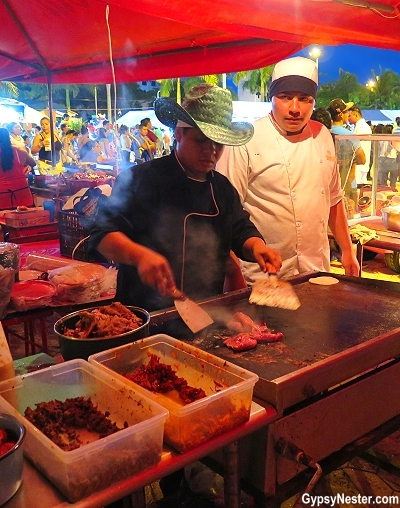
(106,321)
(160,377)
(249,334)
(61,421)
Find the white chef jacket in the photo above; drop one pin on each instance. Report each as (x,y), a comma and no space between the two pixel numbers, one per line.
(288,185)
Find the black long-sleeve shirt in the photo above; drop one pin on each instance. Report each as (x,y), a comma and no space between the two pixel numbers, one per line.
(157,205)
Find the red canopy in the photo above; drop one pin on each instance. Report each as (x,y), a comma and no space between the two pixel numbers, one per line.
(67,42)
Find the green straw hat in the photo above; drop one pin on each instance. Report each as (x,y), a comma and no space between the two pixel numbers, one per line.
(209,108)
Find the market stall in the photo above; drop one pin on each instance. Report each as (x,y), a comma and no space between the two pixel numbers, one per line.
(329,377)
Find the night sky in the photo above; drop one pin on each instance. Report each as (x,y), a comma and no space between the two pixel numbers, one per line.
(358,60)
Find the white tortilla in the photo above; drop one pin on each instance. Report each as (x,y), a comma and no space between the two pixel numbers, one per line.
(324,280)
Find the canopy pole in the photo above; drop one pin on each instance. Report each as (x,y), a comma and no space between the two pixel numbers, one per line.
(50,94)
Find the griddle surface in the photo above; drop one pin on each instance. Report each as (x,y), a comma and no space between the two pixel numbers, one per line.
(330,320)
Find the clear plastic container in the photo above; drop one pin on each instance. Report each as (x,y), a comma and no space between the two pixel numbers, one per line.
(100,463)
(229,388)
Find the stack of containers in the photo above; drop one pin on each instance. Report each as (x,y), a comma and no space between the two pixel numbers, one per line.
(228,388)
(100,463)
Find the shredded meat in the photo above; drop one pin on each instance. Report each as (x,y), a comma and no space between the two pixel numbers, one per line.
(59,421)
(106,321)
(249,333)
(160,377)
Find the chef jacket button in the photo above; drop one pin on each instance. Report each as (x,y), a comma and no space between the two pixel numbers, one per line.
(298,224)
(322,191)
(293,193)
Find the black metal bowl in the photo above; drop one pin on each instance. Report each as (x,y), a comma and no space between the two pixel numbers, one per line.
(71,347)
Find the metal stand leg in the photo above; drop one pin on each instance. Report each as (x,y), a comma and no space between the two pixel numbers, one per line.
(359,255)
(231,475)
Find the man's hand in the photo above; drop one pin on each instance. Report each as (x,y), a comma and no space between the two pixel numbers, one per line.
(268,259)
(154,270)
(350,264)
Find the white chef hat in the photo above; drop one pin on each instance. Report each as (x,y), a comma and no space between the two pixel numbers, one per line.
(296,74)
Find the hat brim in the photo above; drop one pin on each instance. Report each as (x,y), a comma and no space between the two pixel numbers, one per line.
(170,112)
(348,106)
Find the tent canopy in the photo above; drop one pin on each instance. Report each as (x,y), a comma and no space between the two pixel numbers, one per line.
(157,39)
(132,118)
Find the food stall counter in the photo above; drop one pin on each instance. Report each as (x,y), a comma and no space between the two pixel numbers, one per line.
(37,492)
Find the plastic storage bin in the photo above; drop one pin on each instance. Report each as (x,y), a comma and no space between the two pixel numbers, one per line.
(229,388)
(98,464)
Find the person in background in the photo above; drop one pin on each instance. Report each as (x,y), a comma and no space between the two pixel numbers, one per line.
(288,180)
(15,130)
(321,115)
(66,120)
(166,142)
(14,167)
(104,144)
(63,131)
(387,160)
(150,135)
(172,222)
(146,146)
(68,153)
(27,143)
(361,127)
(83,138)
(109,132)
(42,146)
(349,152)
(125,142)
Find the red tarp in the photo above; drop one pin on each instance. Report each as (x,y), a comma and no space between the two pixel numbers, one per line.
(157,39)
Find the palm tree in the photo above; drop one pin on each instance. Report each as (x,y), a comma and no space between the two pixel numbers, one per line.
(168,85)
(256,80)
(9,89)
(385,92)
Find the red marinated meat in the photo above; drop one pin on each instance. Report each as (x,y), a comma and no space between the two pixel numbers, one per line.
(268,336)
(241,323)
(241,342)
(249,333)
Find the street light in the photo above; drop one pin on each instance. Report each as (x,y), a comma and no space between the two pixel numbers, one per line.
(371,83)
(315,53)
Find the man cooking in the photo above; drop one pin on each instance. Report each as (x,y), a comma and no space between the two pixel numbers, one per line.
(172,222)
(288,180)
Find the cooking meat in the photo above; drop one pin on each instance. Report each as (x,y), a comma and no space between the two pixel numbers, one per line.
(241,342)
(250,333)
(106,321)
(241,323)
(269,337)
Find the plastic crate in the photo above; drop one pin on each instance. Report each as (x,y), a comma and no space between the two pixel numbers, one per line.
(73,229)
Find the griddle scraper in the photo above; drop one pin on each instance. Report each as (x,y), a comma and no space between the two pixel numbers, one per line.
(192,314)
(273,292)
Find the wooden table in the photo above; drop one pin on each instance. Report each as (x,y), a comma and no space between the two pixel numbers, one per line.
(387,241)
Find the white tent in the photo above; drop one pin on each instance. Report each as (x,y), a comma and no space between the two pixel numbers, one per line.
(31,115)
(132,118)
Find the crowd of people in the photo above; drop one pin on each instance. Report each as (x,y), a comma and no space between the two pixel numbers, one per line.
(33,151)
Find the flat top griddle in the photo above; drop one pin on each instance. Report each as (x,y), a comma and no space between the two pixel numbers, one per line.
(330,320)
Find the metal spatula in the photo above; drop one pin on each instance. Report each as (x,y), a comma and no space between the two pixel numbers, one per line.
(192,314)
(273,292)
